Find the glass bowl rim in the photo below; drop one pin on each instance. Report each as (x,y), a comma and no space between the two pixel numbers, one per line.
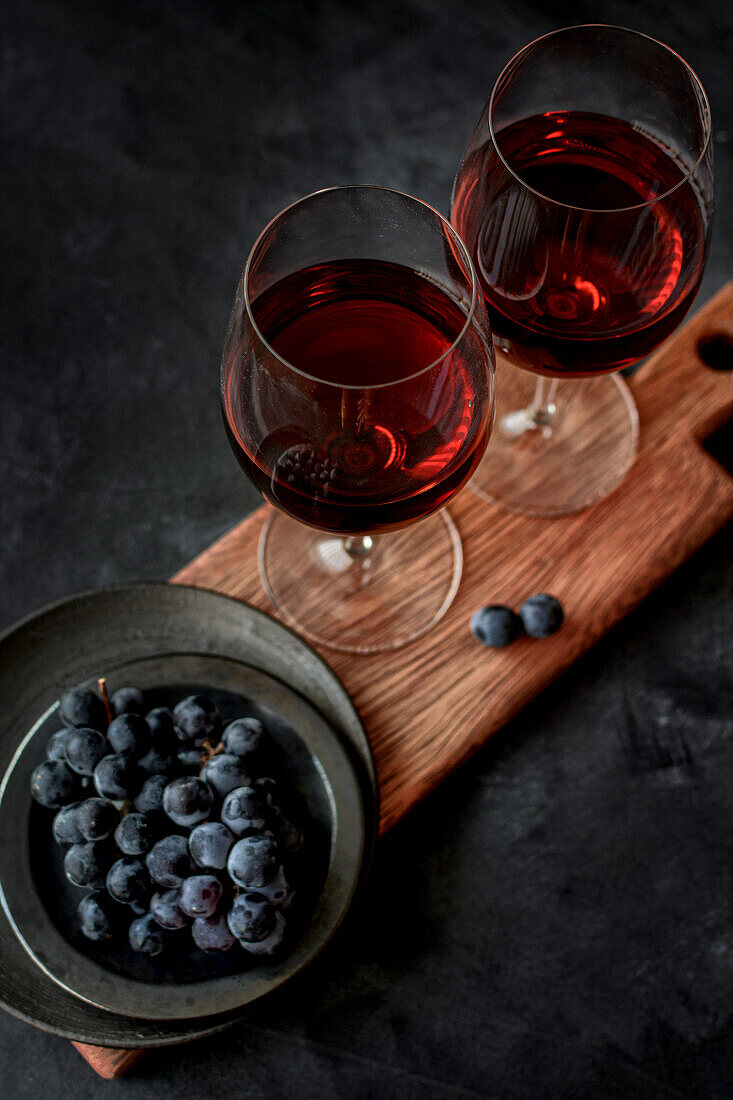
(456,242)
(696,82)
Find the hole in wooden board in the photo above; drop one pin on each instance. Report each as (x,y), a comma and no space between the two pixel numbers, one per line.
(716,351)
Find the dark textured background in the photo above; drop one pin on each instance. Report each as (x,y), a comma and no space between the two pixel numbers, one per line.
(557,921)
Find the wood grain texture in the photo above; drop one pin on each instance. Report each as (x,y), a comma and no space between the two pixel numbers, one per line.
(109,1062)
(430,705)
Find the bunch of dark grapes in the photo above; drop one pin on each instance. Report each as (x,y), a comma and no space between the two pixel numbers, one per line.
(170,820)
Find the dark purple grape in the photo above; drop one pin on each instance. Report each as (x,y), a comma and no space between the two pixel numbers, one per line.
(225,772)
(165,907)
(128,881)
(84,749)
(155,762)
(150,797)
(209,845)
(65,827)
(245,736)
(53,784)
(212,933)
(495,625)
(541,615)
(200,895)
(127,700)
(244,808)
(270,944)
(97,818)
(270,790)
(250,918)
(278,891)
(197,719)
(188,800)
(253,862)
(56,747)
(288,836)
(146,935)
(189,760)
(99,916)
(117,777)
(130,735)
(135,834)
(168,861)
(87,864)
(81,707)
(162,729)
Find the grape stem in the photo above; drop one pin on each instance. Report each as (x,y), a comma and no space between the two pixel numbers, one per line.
(102,685)
(208,752)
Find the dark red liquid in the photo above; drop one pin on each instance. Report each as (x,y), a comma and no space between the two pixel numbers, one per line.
(587,290)
(337,446)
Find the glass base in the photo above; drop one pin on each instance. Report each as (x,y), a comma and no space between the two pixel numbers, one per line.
(572,454)
(361,595)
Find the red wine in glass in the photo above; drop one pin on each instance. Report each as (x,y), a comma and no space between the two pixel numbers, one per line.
(588,252)
(351,429)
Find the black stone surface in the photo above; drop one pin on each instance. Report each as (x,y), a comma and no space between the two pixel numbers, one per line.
(557,921)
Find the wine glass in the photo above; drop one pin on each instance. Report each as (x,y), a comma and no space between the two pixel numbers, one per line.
(585,197)
(357,385)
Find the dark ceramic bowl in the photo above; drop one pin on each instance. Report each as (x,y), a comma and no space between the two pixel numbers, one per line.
(168,640)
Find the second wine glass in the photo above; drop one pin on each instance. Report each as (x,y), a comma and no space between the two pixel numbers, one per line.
(358,394)
(585,197)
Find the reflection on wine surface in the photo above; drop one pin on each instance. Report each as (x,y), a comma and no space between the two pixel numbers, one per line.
(595,278)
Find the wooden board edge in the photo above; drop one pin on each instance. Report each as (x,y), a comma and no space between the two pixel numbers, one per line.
(109,1062)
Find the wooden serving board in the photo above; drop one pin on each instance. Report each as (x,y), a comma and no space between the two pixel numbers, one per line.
(429,706)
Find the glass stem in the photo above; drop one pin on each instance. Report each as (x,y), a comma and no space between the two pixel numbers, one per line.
(538,415)
(361,550)
(352,555)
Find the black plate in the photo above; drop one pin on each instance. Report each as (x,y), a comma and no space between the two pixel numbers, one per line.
(137,634)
